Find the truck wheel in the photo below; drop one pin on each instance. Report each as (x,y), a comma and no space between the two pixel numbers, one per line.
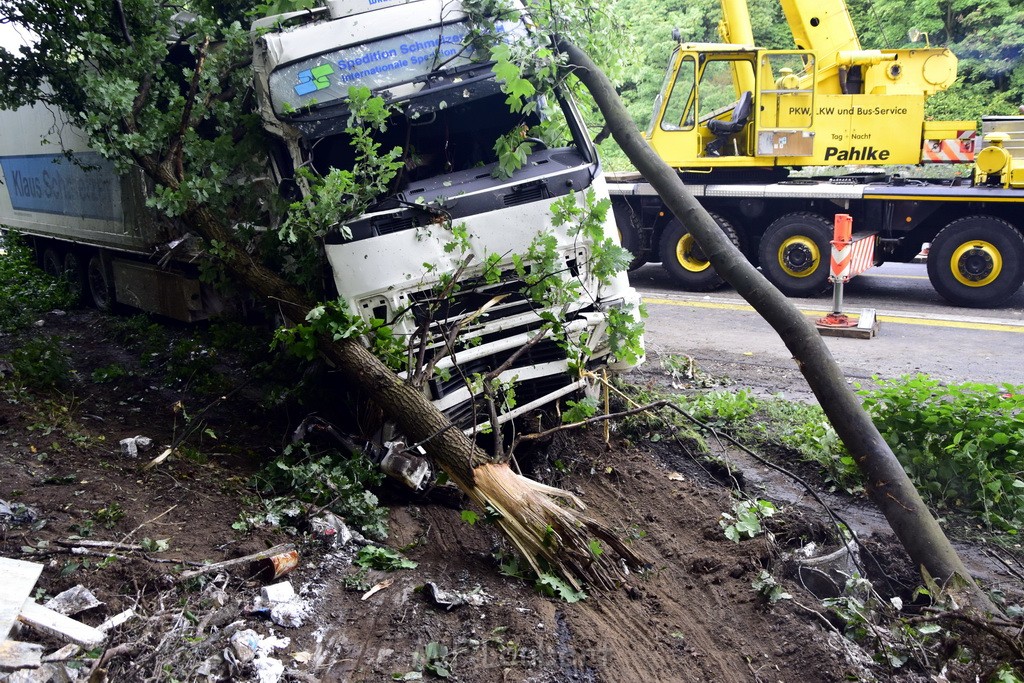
(101,284)
(795,253)
(684,260)
(75,274)
(628,224)
(53,265)
(977,261)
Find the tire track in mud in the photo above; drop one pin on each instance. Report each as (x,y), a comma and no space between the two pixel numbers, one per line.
(694,616)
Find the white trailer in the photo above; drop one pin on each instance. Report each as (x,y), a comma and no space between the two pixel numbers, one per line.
(448,112)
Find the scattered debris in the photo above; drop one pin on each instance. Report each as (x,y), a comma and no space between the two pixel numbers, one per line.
(411,470)
(59,626)
(19,579)
(73,601)
(63,654)
(116,620)
(15,655)
(16,514)
(331,529)
(275,566)
(386,583)
(244,646)
(825,576)
(279,560)
(277,592)
(452,599)
(132,446)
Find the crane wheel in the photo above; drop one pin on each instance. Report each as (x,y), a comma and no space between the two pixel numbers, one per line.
(795,253)
(977,261)
(628,223)
(684,260)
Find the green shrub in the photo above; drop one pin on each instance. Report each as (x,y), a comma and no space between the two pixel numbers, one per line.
(40,364)
(963,444)
(25,290)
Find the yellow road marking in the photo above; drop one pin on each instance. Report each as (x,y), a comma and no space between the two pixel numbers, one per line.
(898,319)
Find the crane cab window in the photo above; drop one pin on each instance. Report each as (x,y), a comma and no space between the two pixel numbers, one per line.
(787,95)
(722,82)
(679,88)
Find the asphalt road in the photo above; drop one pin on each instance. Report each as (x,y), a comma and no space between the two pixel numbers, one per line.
(919,332)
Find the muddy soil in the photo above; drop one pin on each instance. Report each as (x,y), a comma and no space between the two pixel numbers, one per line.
(692,616)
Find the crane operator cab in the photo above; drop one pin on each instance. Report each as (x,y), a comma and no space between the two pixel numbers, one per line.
(734,105)
(724,130)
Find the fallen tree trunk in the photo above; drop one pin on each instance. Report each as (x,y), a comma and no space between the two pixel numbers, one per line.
(886,482)
(553,538)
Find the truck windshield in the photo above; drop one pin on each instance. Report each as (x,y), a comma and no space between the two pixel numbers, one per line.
(322,80)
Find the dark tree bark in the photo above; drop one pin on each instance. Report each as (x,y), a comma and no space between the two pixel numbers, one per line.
(886,482)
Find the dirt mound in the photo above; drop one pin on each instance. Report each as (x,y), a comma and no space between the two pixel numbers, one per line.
(692,616)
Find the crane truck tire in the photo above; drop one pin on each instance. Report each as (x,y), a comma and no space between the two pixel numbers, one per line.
(684,260)
(629,232)
(795,253)
(977,261)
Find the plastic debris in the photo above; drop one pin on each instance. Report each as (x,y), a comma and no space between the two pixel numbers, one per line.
(277,592)
(131,447)
(244,646)
(331,530)
(269,669)
(291,614)
(411,470)
(16,514)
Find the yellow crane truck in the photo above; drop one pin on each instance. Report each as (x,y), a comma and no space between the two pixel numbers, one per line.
(734,119)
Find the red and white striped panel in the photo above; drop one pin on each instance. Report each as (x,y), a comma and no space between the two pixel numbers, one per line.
(956,150)
(853,258)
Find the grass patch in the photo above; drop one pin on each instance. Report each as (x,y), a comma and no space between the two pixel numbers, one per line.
(25,290)
(961,444)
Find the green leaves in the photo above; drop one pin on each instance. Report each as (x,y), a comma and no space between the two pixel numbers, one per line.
(384,559)
(963,444)
(745,522)
(554,587)
(27,291)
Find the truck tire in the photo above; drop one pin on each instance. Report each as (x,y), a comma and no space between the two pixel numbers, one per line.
(977,261)
(684,260)
(52,263)
(795,253)
(101,284)
(74,272)
(628,224)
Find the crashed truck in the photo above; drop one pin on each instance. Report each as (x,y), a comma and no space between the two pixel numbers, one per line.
(93,227)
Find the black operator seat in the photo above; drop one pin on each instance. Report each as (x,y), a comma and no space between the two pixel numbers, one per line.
(723,130)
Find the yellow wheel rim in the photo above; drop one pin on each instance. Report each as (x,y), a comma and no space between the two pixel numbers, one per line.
(976,263)
(688,259)
(799,256)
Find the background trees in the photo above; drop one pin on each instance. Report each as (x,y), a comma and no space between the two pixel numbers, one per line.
(987,37)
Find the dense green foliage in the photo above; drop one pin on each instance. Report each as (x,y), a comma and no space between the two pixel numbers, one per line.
(963,444)
(305,479)
(25,291)
(987,37)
